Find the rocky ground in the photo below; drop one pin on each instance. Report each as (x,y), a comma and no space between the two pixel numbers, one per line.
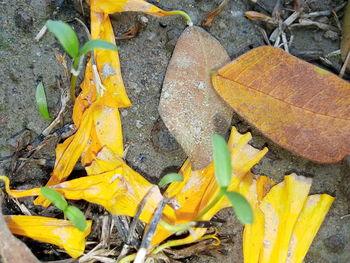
(152,150)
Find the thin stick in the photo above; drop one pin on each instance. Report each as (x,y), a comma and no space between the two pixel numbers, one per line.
(134,223)
(142,252)
(343,68)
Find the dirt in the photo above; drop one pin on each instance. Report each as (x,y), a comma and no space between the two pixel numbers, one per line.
(151,149)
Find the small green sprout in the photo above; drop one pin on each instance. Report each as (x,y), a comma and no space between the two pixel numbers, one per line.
(41,102)
(223,174)
(74,214)
(170,178)
(70,43)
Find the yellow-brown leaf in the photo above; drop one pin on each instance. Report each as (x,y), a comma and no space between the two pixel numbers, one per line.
(299,106)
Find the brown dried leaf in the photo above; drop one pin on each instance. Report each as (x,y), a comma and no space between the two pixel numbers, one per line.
(189,106)
(299,106)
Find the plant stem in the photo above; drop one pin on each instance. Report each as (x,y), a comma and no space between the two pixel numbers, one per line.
(182,13)
(212,203)
(73,80)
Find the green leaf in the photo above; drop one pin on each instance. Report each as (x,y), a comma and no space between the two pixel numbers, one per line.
(65,35)
(222,161)
(55,197)
(170,178)
(76,216)
(41,102)
(241,207)
(97,43)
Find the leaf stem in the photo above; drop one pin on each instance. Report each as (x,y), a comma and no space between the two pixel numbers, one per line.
(73,80)
(182,13)
(212,203)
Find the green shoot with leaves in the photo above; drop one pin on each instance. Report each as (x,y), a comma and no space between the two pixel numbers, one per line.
(70,43)
(223,174)
(71,212)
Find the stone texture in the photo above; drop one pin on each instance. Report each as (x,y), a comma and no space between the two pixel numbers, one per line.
(189,106)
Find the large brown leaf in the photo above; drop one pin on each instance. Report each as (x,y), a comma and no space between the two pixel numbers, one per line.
(299,106)
(189,105)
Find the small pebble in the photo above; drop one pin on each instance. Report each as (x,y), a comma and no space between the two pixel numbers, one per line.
(139,124)
(144,20)
(331,35)
(222,25)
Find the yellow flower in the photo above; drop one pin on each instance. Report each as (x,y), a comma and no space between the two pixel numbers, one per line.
(287,220)
(111,183)
(199,188)
(54,231)
(111,7)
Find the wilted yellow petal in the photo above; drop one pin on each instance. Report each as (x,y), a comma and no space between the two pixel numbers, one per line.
(307,226)
(199,187)
(65,164)
(50,230)
(120,191)
(112,6)
(107,62)
(109,128)
(87,95)
(253,235)
(243,156)
(281,207)
(93,147)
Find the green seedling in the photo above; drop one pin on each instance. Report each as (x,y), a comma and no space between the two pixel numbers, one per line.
(70,43)
(223,174)
(74,214)
(41,102)
(170,178)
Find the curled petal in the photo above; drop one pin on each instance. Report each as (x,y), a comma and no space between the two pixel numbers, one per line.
(50,230)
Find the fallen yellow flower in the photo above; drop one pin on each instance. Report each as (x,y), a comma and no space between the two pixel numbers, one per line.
(287,221)
(119,190)
(199,188)
(50,230)
(111,7)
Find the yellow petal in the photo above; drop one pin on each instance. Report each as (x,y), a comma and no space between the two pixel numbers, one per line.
(93,147)
(65,164)
(50,230)
(109,128)
(199,187)
(243,156)
(253,235)
(309,222)
(281,207)
(107,62)
(112,6)
(87,95)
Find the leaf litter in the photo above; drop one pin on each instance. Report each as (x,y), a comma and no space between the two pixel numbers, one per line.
(107,163)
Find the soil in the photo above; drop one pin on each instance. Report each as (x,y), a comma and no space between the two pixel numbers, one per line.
(152,150)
